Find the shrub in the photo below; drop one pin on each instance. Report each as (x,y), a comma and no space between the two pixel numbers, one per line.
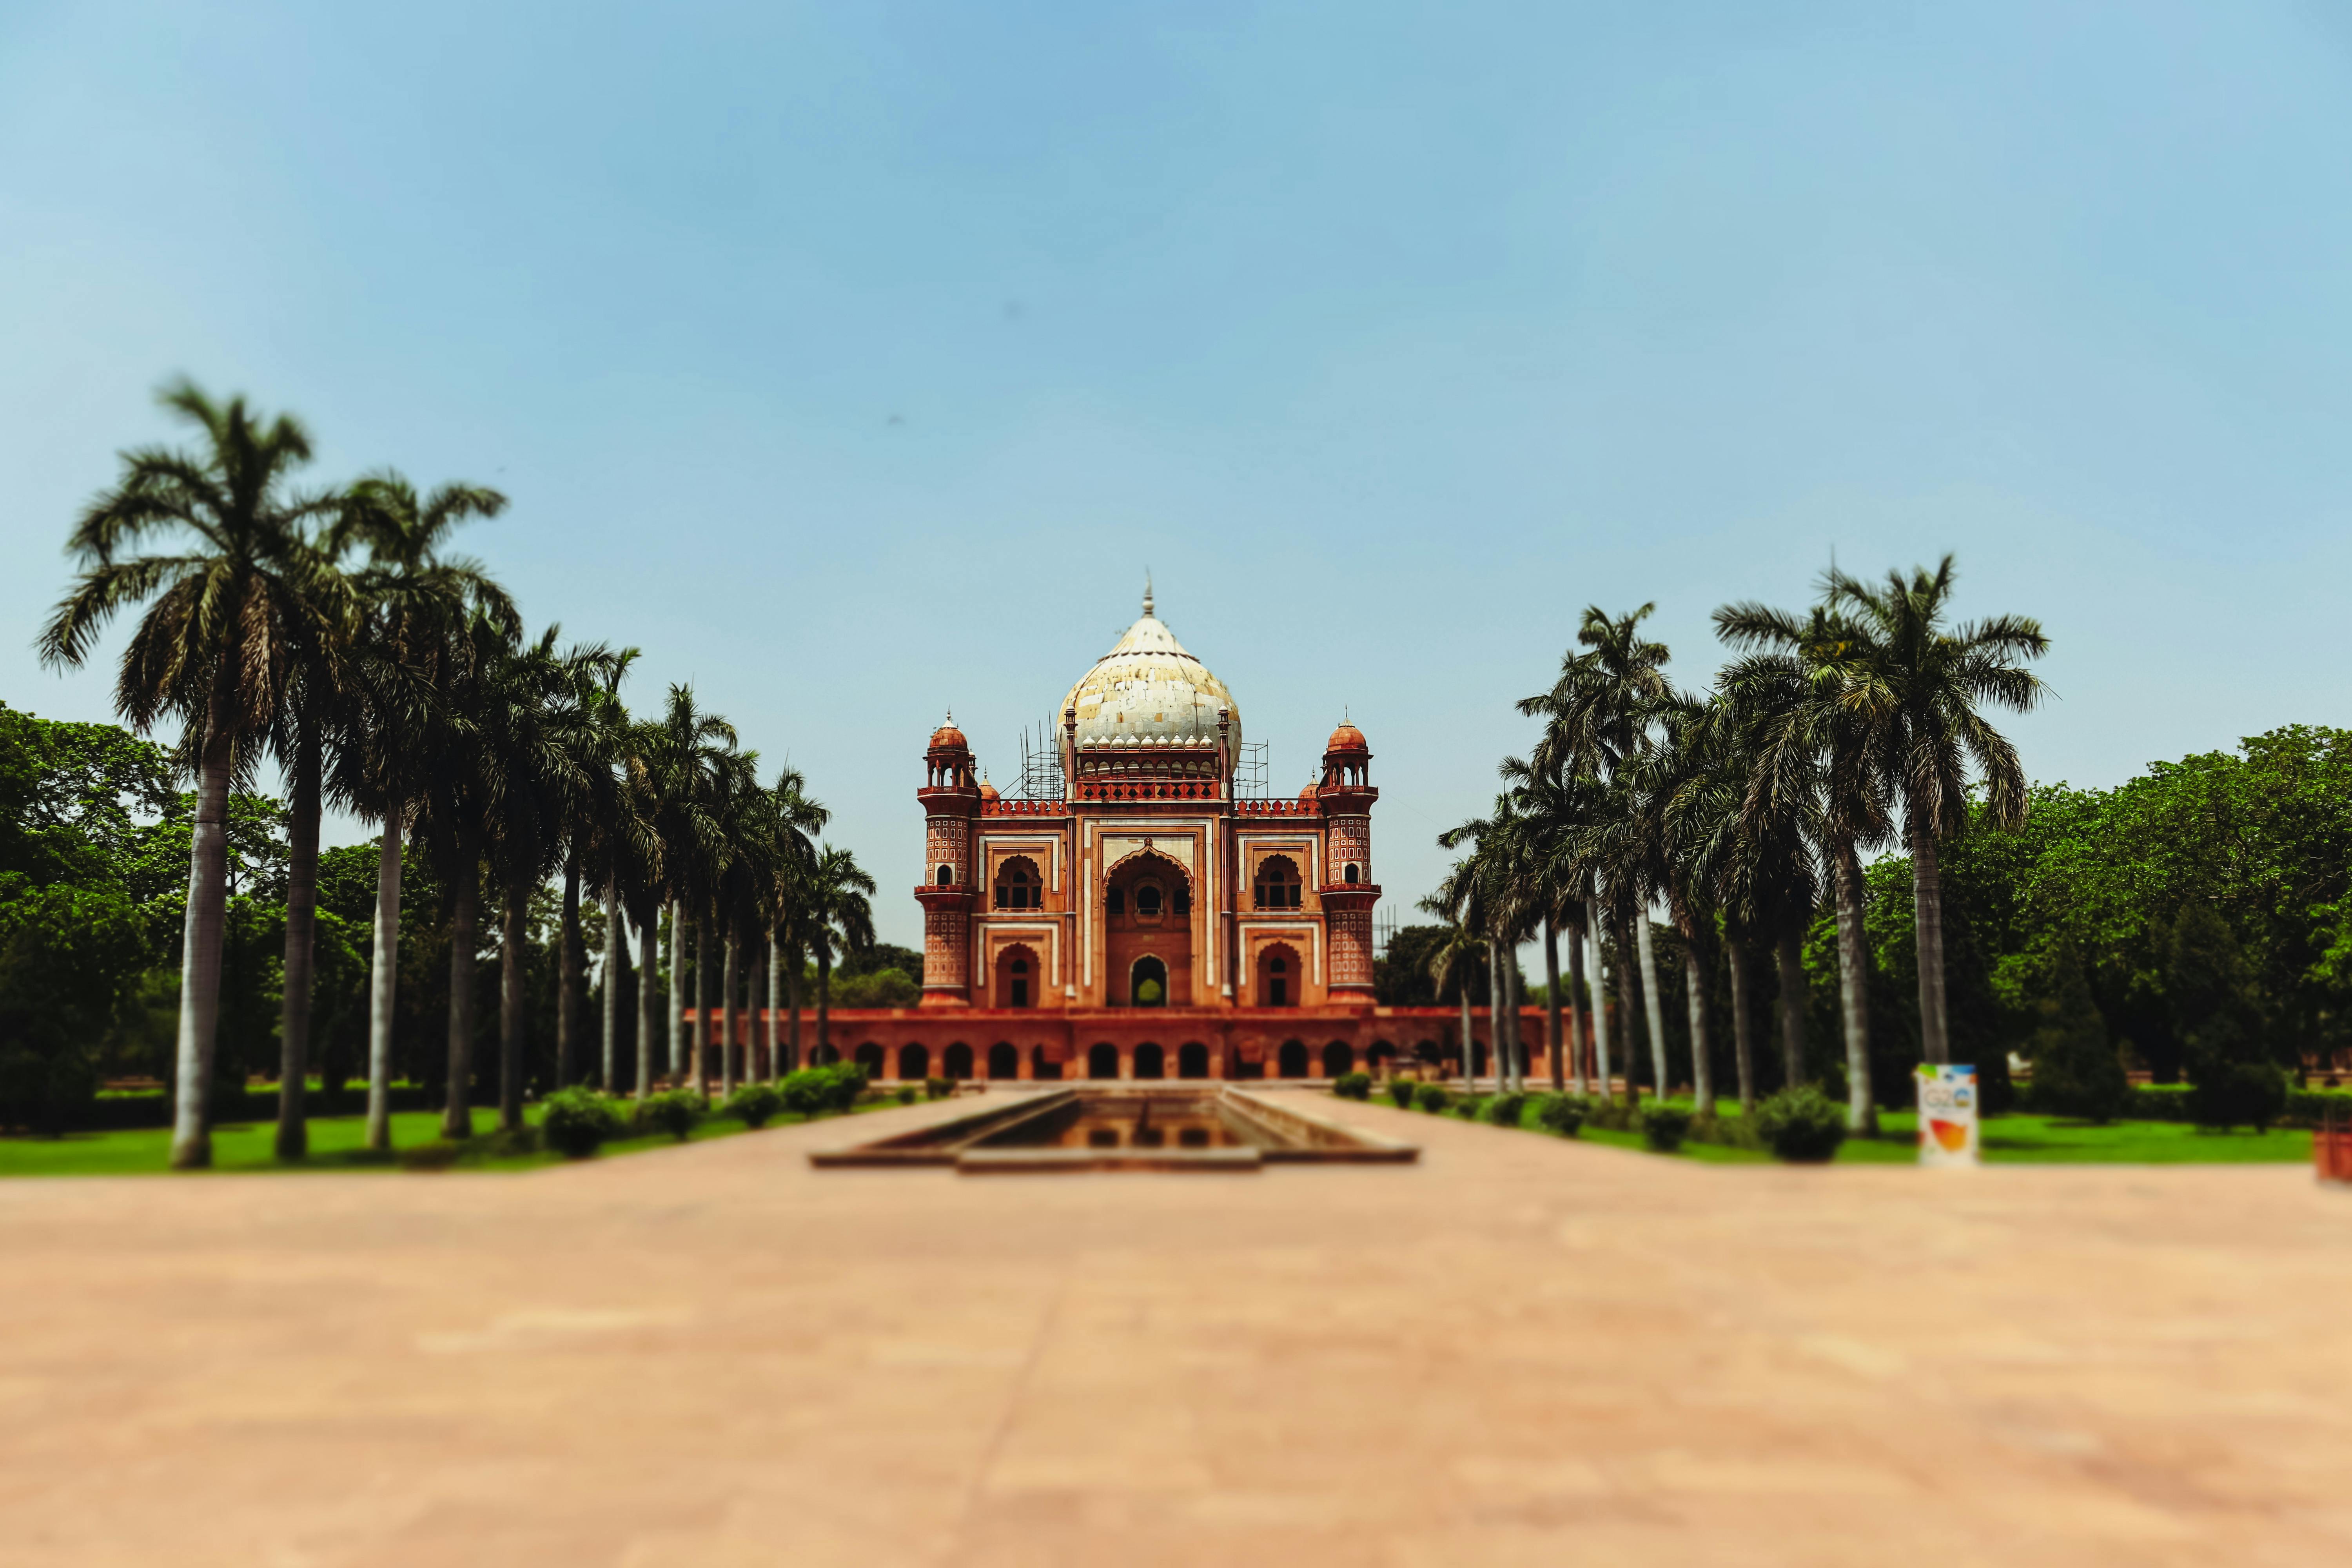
(907,1093)
(1506,1110)
(437,1155)
(1560,1114)
(755,1104)
(805,1091)
(1353,1086)
(1434,1097)
(938,1088)
(849,1084)
(672,1111)
(1802,1125)
(579,1121)
(2239,1094)
(1403,1090)
(1610,1115)
(1663,1126)
(510,1140)
(1469,1106)
(813,1091)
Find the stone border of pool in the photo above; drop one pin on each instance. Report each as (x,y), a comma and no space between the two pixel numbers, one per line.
(1294,1137)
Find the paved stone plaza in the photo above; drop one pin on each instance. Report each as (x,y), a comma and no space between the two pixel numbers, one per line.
(1519,1352)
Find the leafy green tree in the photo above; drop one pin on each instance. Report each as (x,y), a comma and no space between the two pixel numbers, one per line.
(2233,1079)
(2075,1070)
(67,957)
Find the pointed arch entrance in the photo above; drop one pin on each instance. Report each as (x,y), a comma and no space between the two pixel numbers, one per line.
(1147,915)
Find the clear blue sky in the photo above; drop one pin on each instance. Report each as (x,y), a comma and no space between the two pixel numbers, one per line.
(855,361)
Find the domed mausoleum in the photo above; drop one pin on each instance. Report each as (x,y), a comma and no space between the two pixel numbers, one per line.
(1140,915)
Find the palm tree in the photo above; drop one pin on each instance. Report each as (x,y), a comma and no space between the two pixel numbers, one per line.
(840,916)
(683,752)
(416,603)
(793,821)
(1598,718)
(234,605)
(316,687)
(1452,962)
(542,751)
(1913,687)
(1812,746)
(598,817)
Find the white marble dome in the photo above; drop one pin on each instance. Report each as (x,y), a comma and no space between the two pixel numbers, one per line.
(1148,692)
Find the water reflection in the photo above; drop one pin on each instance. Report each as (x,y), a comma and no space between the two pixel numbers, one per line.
(1120,1122)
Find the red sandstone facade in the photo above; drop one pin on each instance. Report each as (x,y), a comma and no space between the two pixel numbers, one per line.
(1149,923)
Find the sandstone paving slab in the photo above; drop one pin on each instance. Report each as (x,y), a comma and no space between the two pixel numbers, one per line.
(1519,1351)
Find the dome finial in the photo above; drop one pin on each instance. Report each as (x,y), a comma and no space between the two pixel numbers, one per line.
(1146,590)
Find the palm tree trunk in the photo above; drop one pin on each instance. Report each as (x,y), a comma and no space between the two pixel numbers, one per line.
(1576,1009)
(301,930)
(727,1014)
(512,1021)
(616,951)
(1853,986)
(1654,1011)
(1743,1023)
(775,974)
(1499,1042)
(792,1061)
(763,1026)
(698,1036)
(677,1031)
(1927,894)
(823,1001)
(1518,1026)
(1629,1005)
(1600,1066)
(1702,1066)
(1552,1041)
(381,982)
(1469,1046)
(1789,950)
(649,1002)
(200,960)
(570,980)
(464,912)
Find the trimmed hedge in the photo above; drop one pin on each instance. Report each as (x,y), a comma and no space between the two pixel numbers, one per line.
(122,1111)
(2171,1102)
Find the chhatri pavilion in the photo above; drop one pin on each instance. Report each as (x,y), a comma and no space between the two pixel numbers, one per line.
(1149,923)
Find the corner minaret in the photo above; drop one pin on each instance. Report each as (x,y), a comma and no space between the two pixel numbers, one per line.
(1345,796)
(951,799)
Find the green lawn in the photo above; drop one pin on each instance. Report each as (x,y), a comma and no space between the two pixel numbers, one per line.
(2018,1139)
(334,1146)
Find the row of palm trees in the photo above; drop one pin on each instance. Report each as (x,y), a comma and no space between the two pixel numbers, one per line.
(1841,729)
(332,630)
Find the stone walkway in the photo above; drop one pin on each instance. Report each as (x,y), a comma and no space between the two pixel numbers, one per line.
(1520,1351)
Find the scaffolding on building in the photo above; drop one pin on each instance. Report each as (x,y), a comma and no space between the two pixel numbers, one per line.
(1252,770)
(1041,764)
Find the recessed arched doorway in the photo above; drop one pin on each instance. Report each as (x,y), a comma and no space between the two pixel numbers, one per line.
(870,1059)
(1102,1061)
(1151,1061)
(1147,912)
(1192,1059)
(914,1063)
(825,1057)
(1338,1059)
(957,1065)
(1017,977)
(1042,1066)
(1290,1061)
(1279,976)
(1003,1060)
